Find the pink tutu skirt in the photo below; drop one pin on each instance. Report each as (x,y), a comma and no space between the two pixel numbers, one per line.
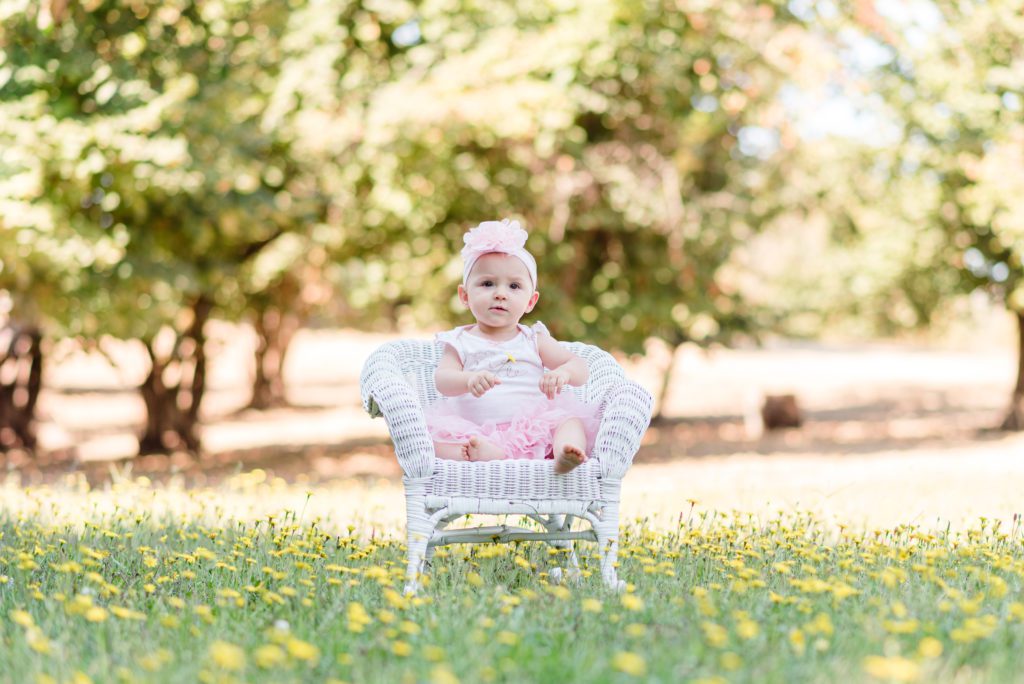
(529,436)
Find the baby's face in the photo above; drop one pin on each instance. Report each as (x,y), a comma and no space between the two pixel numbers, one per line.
(498,290)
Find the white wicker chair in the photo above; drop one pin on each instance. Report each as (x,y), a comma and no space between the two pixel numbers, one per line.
(397,381)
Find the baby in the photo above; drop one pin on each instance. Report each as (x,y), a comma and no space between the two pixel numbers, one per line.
(502,381)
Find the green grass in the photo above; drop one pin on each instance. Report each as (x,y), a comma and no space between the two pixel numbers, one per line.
(125,596)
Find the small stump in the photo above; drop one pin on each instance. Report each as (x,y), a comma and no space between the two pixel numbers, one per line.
(779,411)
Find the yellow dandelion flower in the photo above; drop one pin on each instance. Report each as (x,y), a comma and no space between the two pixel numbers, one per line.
(635,630)
(410,627)
(508,638)
(798,641)
(96,614)
(929,647)
(441,674)
(152,662)
(127,613)
(80,677)
(632,602)
(357,616)
(401,649)
(747,629)
(630,663)
(227,656)
(395,600)
(893,668)
(22,617)
(268,656)
(716,635)
(901,626)
(730,661)
(302,650)
(591,605)
(559,592)
(434,654)
(822,624)
(37,641)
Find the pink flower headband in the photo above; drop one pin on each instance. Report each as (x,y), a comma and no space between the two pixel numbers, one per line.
(502,236)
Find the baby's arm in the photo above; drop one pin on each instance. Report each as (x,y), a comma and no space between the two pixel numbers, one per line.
(565,367)
(452,380)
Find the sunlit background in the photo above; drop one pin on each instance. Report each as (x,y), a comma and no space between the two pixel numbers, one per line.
(212,213)
(798,224)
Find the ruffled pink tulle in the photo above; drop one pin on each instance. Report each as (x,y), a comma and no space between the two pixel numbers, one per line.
(527,437)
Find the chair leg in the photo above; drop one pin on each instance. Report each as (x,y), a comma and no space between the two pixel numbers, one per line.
(419,530)
(571,572)
(574,572)
(608,535)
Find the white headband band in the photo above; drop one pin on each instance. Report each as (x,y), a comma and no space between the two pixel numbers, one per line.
(505,237)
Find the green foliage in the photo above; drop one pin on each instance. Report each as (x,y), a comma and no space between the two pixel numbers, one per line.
(146,172)
(332,155)
(933,198)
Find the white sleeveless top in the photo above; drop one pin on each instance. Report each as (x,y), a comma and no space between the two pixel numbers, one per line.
(517,364)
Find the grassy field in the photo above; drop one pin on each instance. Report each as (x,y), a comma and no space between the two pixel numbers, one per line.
(144,583)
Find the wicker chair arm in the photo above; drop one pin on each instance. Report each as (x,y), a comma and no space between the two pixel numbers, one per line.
(627,413)
(386,392)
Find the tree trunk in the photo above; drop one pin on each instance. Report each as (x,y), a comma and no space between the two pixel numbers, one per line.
(1014,419)
(666,385)
(21,379)
(274,332)
(155,397)
(190,395)
(172,410)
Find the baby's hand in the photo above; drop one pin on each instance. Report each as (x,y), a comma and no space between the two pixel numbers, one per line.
(481,381)
(552,382)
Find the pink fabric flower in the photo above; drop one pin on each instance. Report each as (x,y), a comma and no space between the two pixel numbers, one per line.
(494,236)
(504,236)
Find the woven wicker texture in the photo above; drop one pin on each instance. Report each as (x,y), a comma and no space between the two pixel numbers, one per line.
(514,479)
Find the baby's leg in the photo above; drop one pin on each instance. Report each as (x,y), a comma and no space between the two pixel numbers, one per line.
(569,447)
(452,451)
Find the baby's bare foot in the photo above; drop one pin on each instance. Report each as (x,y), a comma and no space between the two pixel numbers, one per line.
(480,449)
(570,457)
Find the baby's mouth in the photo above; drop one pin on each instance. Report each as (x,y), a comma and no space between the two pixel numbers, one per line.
(498,308)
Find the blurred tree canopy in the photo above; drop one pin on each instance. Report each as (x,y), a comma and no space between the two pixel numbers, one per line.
(144,179)
(162,163)
(946,81)
(630,138)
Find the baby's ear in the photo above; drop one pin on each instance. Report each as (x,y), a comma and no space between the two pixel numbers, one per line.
(533,301)
(463,295)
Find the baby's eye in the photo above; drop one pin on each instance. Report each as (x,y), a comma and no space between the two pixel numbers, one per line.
(514,286)
(487,283)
